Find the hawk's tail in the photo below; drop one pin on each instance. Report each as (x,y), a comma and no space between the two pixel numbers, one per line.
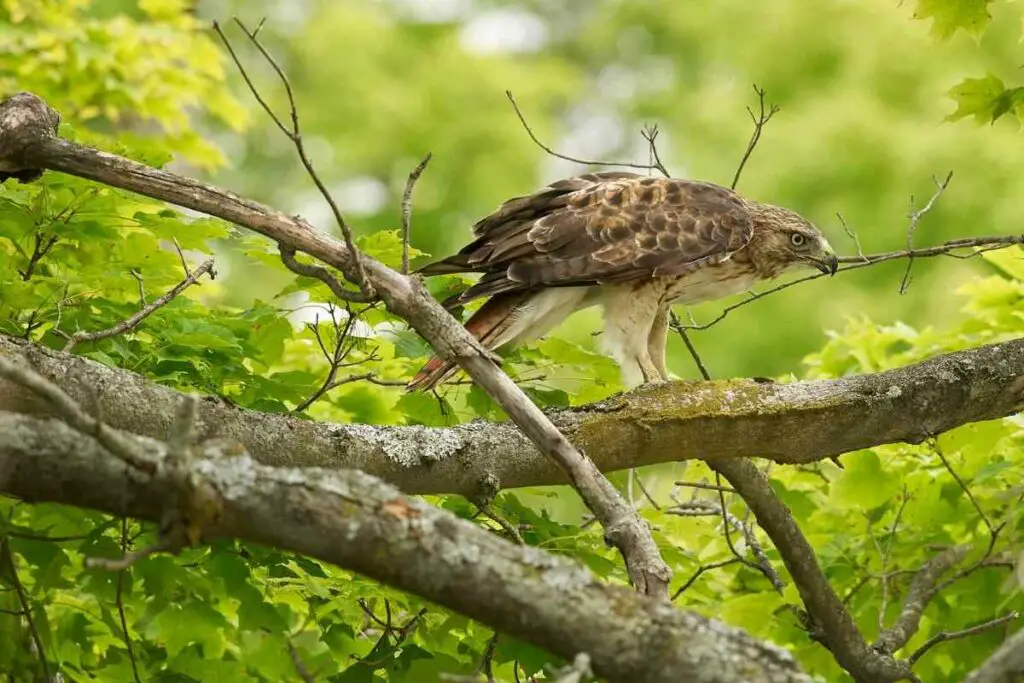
(490,324)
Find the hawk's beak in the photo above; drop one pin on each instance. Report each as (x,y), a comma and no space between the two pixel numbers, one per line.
(828,264)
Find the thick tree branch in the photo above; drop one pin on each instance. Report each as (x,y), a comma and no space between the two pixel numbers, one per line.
(28,142)
(830,621)
(357,522)
(1006,665)
(789,423)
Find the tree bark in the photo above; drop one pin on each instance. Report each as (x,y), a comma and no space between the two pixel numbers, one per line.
(788,423)
(357,522)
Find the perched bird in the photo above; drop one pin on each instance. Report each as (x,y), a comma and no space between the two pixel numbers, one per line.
(633,245)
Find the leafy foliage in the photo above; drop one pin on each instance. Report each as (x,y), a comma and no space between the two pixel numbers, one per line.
(147,82)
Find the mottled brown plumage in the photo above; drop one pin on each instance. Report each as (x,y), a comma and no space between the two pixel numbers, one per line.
(631,243)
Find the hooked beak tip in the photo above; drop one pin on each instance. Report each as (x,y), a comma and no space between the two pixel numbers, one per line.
(828,266)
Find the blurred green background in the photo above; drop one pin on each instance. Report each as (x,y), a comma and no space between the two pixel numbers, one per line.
(862,90)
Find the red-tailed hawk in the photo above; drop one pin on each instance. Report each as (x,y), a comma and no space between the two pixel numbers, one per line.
(632,244)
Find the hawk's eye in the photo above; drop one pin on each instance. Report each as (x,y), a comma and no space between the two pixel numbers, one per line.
(797,239)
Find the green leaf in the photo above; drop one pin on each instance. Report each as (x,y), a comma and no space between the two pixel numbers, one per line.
(976,97)
(949,16)
(864,485)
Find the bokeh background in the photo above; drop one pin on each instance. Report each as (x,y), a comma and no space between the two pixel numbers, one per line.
(861,86)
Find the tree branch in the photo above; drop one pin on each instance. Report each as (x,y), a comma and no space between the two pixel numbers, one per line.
(28,141)
(922,589)
(357,522)
(831,622)
(1005,665)
(191,278)
(793,423)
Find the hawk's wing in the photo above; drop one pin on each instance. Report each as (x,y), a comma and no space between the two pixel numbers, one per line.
(601,228)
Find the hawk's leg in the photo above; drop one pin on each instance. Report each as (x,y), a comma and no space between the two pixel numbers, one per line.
(656,341)
(629,316)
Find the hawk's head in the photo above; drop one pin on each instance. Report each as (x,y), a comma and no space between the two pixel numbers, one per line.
(783,240)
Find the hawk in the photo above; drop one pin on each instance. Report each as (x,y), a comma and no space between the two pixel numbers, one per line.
(633,245)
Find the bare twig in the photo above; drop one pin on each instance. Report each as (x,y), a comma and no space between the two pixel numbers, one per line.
(120,603)
(22,374)
(142,287)
(650,133)
(181,255)
(131,323)
(937,449)
(322,274)
(853,237)
(336,358)
(128,559)
(700,572)
(705,486)
(760,120)
(26,608)
(40,248)
(410,185)
(575,160)
(294,133)
(300,666)
(706,508)
(681,329)
(943,636)
(485,668)
(507,526)
(982,244)
(915,217)
(883,555)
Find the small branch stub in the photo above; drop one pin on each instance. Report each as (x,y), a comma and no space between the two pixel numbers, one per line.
(24,118)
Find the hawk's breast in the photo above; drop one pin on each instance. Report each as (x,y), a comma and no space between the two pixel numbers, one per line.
(712,282)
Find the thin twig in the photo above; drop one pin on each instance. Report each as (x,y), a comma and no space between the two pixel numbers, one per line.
(700,572)
(915,218)
(322,274)
(760,120)
(128,559)
(575,160)
(509,528)
(335,358)
(681,329)
(41,247)
(181,255)
(943,636)
(484,668)
(643,490)
(650,133)
(300,666)
(294,133)
(934,443)
(26,608)
(948,248)
(410,185)
(131,323)
(120,602)
(853,237)
(706,487)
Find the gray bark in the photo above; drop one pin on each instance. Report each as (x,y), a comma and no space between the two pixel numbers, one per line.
(789,423)
(357,522)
